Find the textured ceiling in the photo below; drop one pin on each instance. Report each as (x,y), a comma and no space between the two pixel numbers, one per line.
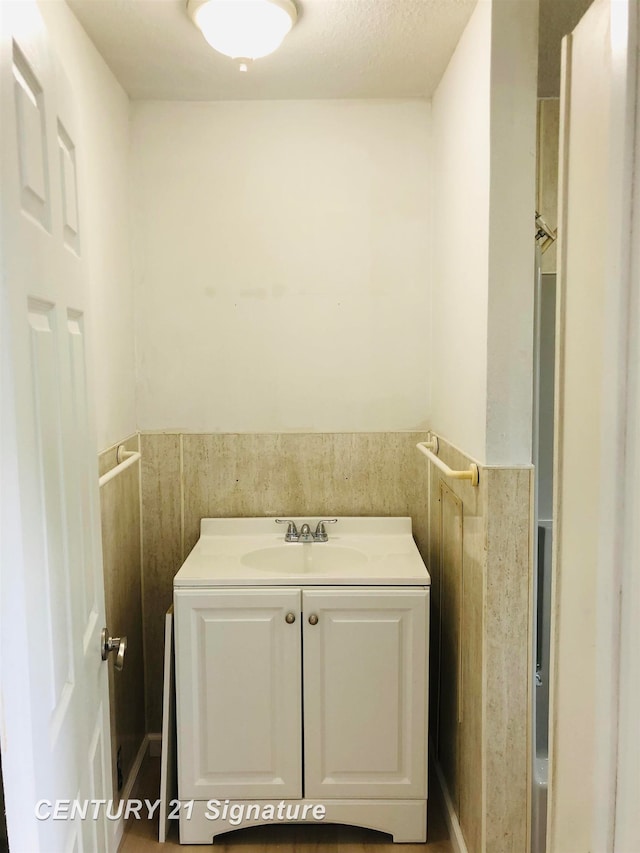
(338,49)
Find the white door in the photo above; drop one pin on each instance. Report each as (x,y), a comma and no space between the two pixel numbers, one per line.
(238,693)
(595,442)
(365,693)
(55,721)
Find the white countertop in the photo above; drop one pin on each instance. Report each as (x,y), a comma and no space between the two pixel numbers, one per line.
(252,552)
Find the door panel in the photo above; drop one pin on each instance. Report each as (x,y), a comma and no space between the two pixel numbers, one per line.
(45,384)
(365,693)
(238,694)
(68,182)
(53,683)
(31,133)
(81,491)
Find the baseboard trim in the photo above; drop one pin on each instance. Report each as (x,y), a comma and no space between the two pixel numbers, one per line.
(450,816)
(132,778)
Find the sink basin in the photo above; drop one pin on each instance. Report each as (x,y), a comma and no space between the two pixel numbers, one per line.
(251,552)
(311,558)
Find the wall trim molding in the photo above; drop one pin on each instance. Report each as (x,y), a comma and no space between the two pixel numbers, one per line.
(451,818)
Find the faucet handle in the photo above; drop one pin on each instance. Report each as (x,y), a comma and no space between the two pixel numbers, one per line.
(321,534)
(292,531)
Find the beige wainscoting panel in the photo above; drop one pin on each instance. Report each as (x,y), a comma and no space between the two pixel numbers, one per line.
(162,555)
(480,562)
(302,474)
(471,808)
(507,651)
(451,639)
(435,617)
(457,554)
(120,520)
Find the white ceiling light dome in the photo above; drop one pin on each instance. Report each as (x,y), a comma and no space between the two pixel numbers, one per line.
(243,29)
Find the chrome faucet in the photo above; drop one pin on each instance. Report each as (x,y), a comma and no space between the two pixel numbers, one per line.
(305,534)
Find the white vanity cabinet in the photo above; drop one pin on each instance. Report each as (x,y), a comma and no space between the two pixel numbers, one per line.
(365,692)
(238,670)
(309,693)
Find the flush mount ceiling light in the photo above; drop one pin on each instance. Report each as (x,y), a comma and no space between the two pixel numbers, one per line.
(243,29)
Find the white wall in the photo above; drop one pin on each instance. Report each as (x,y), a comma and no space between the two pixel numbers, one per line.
(282,265)
(514,58)
(103,149)
(484,180)
(282,252)
(461,157)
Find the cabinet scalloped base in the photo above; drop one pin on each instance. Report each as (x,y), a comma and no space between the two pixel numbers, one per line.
(405,820)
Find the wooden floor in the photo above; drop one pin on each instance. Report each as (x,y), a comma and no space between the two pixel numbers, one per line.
(141,836)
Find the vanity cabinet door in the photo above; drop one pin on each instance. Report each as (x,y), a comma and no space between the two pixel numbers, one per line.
(365,693)
(238,687)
